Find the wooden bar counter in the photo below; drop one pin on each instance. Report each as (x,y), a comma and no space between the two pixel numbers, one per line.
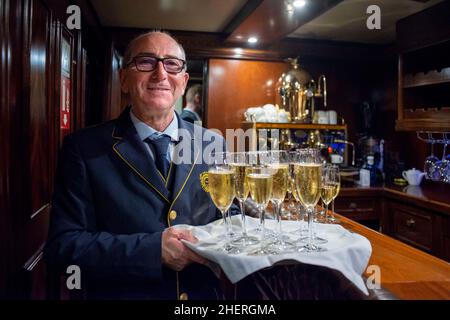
(406,272)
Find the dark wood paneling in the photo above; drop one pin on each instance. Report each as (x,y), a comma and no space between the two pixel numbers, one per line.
(235,85)
(5,127)
(30,41)
(424,28)
(113,93)
(212,45)
(40,112)
(271,21)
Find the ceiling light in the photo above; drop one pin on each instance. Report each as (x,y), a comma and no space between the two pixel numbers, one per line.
(299,3)
(252,40)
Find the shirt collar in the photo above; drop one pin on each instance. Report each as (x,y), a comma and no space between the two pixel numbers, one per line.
(144,130)
(193,112)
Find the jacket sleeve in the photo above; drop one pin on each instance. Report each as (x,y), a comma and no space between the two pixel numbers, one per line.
(75,239)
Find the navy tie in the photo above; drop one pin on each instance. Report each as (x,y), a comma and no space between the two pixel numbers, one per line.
(161,148)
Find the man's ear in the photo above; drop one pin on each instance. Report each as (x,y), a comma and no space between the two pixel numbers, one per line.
(123,82)
(186,79)
(197,98)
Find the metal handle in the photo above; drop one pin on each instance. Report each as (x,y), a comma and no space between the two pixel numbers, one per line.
(410,223)
(352,205)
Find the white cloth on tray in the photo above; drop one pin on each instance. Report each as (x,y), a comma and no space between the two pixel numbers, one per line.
(346,252)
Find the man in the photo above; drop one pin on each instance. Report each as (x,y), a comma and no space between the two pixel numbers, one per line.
(118,192)
(193,104)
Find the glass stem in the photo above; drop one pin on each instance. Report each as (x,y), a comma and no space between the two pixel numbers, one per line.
(261,218)
(278,213)
(263,228)
(310,226)
(242,207)
(332,210)
(227,222)
(227,235)
(326,211)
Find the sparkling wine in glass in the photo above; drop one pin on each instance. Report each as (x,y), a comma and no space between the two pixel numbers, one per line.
(239,163)
(308,183)
(260,182)
(221,186)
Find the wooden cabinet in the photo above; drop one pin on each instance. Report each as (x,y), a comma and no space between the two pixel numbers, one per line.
(412,225)
(364,206)
(446,239)
(424,70)
(417,226)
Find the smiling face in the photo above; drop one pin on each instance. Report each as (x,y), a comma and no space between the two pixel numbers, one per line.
(154,93)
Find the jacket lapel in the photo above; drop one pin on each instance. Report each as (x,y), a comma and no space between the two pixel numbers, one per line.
(183,171)
(131,150)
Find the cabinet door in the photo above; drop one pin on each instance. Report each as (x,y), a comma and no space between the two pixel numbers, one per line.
(412,225)
(357,208)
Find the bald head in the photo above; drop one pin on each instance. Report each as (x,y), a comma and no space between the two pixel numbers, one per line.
(131,48)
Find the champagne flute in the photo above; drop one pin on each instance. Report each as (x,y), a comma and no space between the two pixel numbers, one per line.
(260,182)
(239,162)
(221,185)
(336,177)
(308,181)
(279,163)
(329,186)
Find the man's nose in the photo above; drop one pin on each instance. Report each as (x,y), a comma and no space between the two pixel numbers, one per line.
(159,73)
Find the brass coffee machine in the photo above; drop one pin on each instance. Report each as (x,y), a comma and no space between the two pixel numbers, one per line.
(296,90)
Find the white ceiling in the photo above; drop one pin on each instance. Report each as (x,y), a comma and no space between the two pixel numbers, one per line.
(344,22)
(347,21)
(189,15)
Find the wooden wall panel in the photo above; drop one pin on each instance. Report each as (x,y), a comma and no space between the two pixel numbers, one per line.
(235,85)
(5,126)
(114,102)
(41,116)
(30,78)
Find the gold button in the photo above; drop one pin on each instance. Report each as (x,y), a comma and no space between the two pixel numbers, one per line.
(172,215)
(183,296)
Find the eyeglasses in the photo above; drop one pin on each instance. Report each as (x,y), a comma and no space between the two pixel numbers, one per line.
(149,63)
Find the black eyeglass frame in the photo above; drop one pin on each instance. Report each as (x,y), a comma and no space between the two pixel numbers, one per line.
(158,59)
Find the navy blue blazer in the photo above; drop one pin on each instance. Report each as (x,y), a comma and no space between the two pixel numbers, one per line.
(110,207)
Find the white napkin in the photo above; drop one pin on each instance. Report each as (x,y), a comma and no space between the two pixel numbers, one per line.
(346,252)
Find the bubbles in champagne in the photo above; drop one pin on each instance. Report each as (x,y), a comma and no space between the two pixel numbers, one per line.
(241,181)
(260,185)
(221,187)
(328,192)
(308,180)
(280,181)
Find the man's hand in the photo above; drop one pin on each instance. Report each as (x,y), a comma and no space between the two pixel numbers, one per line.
(174,253)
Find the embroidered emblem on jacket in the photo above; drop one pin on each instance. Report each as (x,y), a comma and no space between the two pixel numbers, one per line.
(204,181)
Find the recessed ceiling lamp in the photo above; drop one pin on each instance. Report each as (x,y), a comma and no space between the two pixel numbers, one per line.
(299,3)
(291,5)
(252,40)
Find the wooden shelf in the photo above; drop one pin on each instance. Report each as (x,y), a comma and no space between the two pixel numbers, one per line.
(300,126)
(426,78)
(422,125)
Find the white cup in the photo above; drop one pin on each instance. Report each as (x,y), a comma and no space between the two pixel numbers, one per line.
(364,177)
(337,159)
(322,117)
(332,117)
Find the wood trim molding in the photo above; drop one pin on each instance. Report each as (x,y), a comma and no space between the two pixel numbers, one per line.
(34,259)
